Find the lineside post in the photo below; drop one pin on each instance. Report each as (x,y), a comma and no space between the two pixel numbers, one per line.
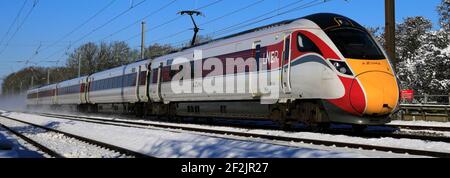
(48,76)
(79,65)
(390,31)
(143,40)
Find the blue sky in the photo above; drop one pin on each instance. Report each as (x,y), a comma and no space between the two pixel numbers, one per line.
(51,20)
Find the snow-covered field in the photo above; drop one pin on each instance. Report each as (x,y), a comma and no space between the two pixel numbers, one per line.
(175,143)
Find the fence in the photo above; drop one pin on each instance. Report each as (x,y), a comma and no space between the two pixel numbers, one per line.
(425,108)
(429,99)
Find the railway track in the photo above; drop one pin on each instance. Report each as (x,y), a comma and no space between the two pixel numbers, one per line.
(347,132)
(135,124)
(55,154)
(417,127)
(30,141)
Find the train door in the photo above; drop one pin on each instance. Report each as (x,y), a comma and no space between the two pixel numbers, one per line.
(159,82)
(83,90)
(286,65)
(149,81)
(88,89)
(55,95)
(138,83)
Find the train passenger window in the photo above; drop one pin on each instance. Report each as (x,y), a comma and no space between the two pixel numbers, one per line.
(125,80)
(100,85)
(305,45)
(103,84)
(118,81)
(112,82)
(142,77)
(107,83)
(133,79)
(130,79)
(97,85)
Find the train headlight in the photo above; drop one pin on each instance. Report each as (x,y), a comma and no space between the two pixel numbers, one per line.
(341,67)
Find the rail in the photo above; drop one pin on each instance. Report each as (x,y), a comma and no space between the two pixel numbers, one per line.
(84,139)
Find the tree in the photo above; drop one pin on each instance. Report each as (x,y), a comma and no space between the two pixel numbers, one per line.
(94,58)
(443,37)
(122,53)
(409,38)
(20,81)
(443,11)
(156,50)
(408,35)
(87,53)
(198,40)
(432,67)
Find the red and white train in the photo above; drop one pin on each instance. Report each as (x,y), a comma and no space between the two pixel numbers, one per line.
(331,71)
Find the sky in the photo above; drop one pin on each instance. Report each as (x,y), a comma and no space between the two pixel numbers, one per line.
(55,27)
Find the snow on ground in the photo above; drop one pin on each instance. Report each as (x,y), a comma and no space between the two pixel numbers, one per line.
(11,147)
(67,147)
(174,143)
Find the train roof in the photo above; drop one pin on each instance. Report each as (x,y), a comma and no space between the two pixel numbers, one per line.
(330,20)
(324,20)
(42,86)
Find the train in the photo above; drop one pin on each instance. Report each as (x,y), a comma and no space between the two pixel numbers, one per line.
(327,67)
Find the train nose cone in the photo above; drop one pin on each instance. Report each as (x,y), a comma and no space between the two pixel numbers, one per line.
(381,93)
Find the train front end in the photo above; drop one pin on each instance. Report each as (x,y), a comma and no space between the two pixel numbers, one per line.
(371,88)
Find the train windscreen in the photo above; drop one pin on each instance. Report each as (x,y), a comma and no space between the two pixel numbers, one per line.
(355,44)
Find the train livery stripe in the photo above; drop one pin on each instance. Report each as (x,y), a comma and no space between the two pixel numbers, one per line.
(353,92)
(310,58)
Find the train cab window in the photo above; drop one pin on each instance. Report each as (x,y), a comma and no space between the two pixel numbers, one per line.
(355,44)
(306,45)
